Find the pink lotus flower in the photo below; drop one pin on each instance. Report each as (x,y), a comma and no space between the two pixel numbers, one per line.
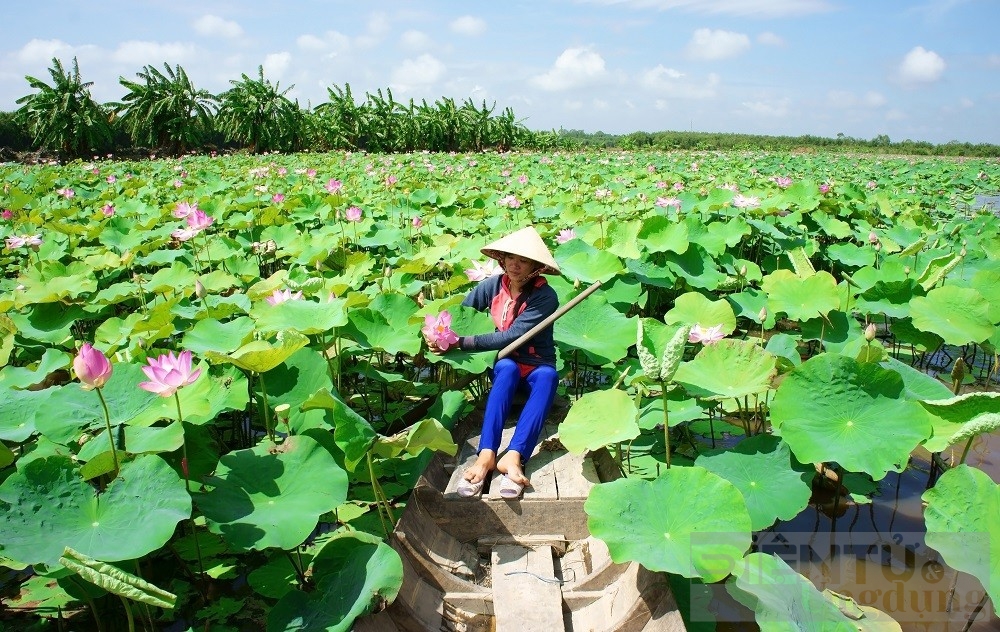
(178,184)
(824,188)
(184,209)
(601,194)
(184,234)
(510,202)
(417,222)
(872,238)
(24,241)
(353,214)
(199,221)
(334,186)
(108,209)
(168,373)
(390,180)
(664,202)
(310,173)
(112,179)
(280,296)
(480,271)
(661,185)
(7,214)
(278,198)
(678,186)
(66,193)
(523,179)
(872,185)
(565,235)
(91,367)
(437,330)
(783,181)
(745,201)
(706,336)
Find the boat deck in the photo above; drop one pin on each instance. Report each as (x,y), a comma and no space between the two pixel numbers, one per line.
(486,563)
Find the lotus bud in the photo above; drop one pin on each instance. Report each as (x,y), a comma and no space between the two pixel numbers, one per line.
(743,271)
(958,371)
(870,332)
(872,237)
(92,367)
(387,271)
(963,252)
(878,247)
(576,284)
(84,438)
(762,314)
(906,270)
(199,289)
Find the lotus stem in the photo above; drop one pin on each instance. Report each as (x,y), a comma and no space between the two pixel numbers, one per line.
(975,612)
(90,601)
(968,446)
(111,435)
(128,614)
(666,421)
(267,408)
(187,481)
(380,501)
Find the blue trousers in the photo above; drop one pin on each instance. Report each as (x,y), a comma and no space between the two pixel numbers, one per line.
(541,384)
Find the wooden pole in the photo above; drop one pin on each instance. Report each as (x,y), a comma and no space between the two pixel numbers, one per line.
(551,318)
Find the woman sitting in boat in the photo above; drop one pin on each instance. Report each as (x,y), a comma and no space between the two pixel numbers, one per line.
(517,300)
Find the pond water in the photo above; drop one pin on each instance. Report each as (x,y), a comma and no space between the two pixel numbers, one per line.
(876,553)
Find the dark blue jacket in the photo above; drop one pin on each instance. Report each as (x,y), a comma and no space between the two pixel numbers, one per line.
(541,303)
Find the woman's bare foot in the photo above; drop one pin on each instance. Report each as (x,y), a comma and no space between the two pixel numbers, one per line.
(485,463)
(510,464)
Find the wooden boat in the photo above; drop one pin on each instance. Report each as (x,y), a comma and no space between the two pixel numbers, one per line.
(486,563)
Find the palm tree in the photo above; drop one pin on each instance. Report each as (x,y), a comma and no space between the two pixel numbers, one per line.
(166,111)
(253,112)
(64,117)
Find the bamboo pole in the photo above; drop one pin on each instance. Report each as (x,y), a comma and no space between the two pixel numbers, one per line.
(551,318)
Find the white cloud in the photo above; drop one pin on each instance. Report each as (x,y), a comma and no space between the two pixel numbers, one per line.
(966,103)
(275,65)
(574,68)
(676,84)
(921,66)
(993,61)
(136,53)
(331,43)
(661,104)
(874,99)
(601,104)
(468,25)
(43,51)
(378,27)
(714,44)
(755,8)
(772,109)
(415,40)
(573,105)
(422,71)
(214,26)
(770,39)
(660,78)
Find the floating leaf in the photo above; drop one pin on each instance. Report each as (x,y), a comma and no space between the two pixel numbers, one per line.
(761,468)
(50,507)
(833,408)
(961,517)
(696,309)
(728,368)
(304,316)
(597,419)
(800,298)
(597,329)
(273,495)
(687,521)
(959,315)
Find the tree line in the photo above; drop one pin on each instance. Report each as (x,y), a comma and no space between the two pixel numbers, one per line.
(163,111)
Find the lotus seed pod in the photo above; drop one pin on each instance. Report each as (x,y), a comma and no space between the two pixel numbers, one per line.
(281,410)
(906,270)
(870,332)
(674,353)
(958,371)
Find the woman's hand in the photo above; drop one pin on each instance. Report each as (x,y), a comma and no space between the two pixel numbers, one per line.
(433,346)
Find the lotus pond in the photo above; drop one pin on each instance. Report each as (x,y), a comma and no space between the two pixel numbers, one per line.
(793,359)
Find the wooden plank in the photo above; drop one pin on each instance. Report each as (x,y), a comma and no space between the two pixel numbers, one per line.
(522,600)
(575,474)
(556,542)
(542,474)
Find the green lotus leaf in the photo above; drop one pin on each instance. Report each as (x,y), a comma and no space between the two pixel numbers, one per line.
(851,255)
(116,581)
(599,330)
(592,265)
(260,356)
(293,382)
(49,322)
(365,578)
(959,315)
(7,457)
(70,409)
(177,279)
(273,495)
(398,309)
(962,525)
(687,521)
(696,308)
(7,331)
(278,576)
(153,439)
(17,412)
(54,282)
(800,298)
(987,283)
(622,238)
(210,334)
(728,368)
(784,347)
(783,600)
(354,435)
(660,234)
(905,333)
(50,507)
(937,269)
(761,468)
(651,272)
(837,330)
(597,419)
(916,383)
(696,266)
(425,434)
(371,330)
(961,418)
(889,298)
(23,377)
(680,409)
(833,408)
(748,303)
(304,316)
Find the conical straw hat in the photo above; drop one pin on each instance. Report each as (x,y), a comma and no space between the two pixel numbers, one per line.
(526,243)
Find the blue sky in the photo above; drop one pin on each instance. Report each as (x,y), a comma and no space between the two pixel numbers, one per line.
(924,71)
